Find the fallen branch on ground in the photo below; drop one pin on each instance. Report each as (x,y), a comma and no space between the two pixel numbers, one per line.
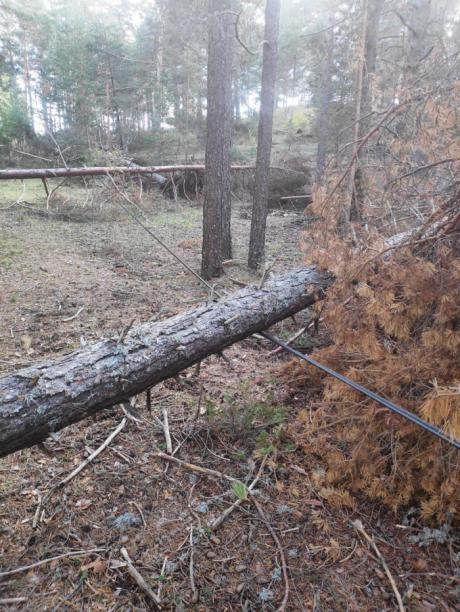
(141,583)
(194,468)
(216,523)
(77,470)
(360,529)
(72,553)
(169,447)
(280,549)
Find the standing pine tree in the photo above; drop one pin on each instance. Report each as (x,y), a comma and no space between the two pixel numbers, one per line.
(217,191)
(264,142)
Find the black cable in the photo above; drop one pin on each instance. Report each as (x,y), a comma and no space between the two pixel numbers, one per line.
(406,414)
(413,418)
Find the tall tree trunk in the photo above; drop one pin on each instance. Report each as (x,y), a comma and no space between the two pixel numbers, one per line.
(45,113)
(374,12)
(324,106)
(176,103)
(370,61)
(199,110)
(264,141)
(352,210)
(157,93)
(114,105)
(109,109)
(28,86)
(418,43)
(237,98)
(216,209)
(365,120)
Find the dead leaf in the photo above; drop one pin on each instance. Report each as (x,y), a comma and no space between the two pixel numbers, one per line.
(99,566)
(304,415)
(26,342)
(420,565)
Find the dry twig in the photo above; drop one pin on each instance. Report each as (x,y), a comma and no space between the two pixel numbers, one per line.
(67,319)
(292,339)
(76,471)
(93,455)
(169,447)
(360,529)
(192,579)
(258,507)
(216,523)
(72,553)
(194,468)
(141,583)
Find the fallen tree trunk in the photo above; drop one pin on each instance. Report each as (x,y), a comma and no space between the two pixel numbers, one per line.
(44,173)
(48,396)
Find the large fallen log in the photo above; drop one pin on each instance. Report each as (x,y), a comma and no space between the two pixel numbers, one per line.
(44,173)
(48,396)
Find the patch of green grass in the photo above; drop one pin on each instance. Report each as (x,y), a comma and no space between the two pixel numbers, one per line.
(184,218)
(10,247)
(245,419)
(31,190)
(264,445)
(275,249)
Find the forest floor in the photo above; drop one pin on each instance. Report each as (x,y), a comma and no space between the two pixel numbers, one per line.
(72,280)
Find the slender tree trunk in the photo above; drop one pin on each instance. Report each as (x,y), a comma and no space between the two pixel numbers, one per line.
(352,209)
(418,43)
(216,209)
(365,120)
(159,79)
(264,142)
(45,112)
(370,61)
(109,108)
(324,106)
(237,98)
(28,86)
(199,110)
(116,109)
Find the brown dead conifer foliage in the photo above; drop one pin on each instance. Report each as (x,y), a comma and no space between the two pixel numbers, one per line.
(394,319)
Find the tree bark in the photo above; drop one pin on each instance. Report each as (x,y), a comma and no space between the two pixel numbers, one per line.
(352,210)
(264,141)
(114,103)
(217,191)
(372,11)
(28,86)
(324,106)
(370,61)
(48,396)
(418,41)
(236,99)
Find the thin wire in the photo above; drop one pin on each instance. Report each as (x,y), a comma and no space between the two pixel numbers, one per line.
(157,238)
(406,414)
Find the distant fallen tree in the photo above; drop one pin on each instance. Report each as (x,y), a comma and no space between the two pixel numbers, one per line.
(49,396)
(45,173)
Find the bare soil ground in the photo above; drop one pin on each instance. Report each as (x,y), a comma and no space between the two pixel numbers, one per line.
(64,283)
